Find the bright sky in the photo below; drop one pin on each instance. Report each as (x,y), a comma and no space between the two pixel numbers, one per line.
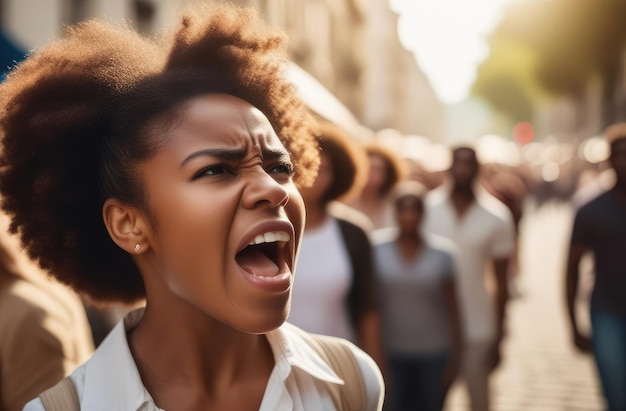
(448,38)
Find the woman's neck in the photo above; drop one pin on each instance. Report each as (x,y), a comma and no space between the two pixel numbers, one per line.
(409,244)
(370,195)
(181,353)
(410,237)
(373,208)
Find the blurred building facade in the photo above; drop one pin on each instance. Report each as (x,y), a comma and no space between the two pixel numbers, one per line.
(572,117)
(350,46)
(397,92)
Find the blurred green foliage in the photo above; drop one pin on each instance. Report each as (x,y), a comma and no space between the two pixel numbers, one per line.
(506,79)
(553,47)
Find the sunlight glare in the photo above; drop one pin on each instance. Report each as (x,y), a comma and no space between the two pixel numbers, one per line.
(448,38)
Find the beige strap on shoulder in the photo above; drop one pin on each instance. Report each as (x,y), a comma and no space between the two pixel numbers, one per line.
(337,353)
(61,397)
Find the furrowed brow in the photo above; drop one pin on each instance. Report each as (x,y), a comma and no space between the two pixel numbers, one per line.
(276,154)
(224,153)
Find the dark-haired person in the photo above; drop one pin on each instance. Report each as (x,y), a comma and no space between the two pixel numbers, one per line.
(44,333)
(133,169)
(386,169)
(335,290)
(600,228)
(482,230)
(419,308)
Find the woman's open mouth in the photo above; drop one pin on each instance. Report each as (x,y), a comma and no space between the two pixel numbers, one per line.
(264,260)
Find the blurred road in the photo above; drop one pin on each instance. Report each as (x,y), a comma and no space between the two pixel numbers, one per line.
(540,369)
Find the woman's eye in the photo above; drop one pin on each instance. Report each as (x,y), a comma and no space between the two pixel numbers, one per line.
(212,171)
(282,168)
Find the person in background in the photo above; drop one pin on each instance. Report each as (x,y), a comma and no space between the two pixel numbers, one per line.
(386,169)
(506,185)
(44,332)
(419,308)
(335,291)
(600,228)
(483,232)
(168,171)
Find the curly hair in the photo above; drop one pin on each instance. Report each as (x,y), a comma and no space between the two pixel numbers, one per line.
(348,162)
(395,167)
(78,115)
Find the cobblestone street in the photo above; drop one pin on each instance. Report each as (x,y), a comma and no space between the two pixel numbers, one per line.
(541,371)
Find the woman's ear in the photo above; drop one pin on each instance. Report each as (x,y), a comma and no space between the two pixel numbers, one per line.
(126,225)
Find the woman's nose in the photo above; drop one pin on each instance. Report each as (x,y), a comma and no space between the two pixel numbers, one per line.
(263,189)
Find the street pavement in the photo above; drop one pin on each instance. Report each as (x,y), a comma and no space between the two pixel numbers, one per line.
(540,370)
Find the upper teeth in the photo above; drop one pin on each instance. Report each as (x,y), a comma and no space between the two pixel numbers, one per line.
(270,237)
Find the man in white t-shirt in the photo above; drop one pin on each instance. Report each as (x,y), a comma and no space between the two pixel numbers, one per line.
(483,231)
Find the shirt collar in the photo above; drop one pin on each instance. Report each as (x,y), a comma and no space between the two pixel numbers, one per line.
(292,350)
(112,380)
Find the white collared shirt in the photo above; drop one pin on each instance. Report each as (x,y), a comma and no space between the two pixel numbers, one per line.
(485,232)
(109,380)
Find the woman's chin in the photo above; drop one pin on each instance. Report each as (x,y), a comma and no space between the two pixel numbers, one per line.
(265,323)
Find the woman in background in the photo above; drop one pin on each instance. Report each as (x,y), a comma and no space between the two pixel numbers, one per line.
(386,169)
(420,318)
(335,290)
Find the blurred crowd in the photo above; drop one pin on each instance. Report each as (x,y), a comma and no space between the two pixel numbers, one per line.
(444,253)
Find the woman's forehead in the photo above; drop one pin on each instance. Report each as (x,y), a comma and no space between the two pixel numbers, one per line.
(226,120)
(225,105)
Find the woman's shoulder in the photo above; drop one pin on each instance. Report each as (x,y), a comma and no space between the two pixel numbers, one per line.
(350,218)
(372,379)
(356,368)
(34,405)
(384,237)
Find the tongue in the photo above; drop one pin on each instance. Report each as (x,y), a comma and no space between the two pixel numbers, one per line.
(257,263)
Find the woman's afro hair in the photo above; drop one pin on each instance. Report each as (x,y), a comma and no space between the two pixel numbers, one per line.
(396,168)
(348,161)
(60,110)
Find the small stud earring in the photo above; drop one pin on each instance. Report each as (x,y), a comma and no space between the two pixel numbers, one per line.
(137,247)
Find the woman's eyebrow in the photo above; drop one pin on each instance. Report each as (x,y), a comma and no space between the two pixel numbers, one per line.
(275,154)
(235,154)
(225,153)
